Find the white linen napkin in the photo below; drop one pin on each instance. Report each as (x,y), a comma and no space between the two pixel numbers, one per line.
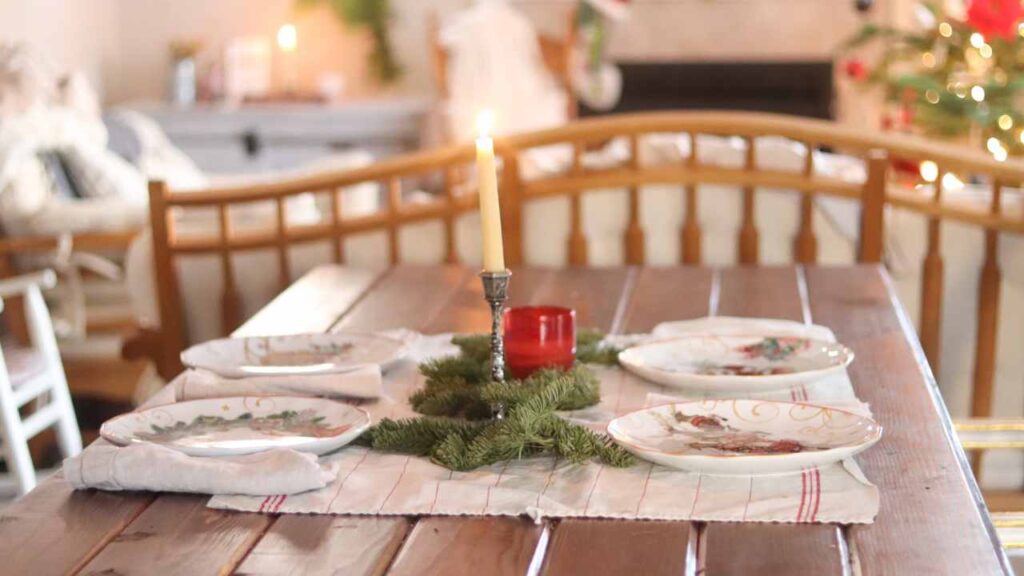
(735,326)
(155,468)
(363,382)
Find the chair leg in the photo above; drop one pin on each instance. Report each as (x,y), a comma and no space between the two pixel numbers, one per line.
(41,329)
(68,434)
(15,444)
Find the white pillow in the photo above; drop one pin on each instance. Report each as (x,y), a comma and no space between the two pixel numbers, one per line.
(24,193)
(99,173)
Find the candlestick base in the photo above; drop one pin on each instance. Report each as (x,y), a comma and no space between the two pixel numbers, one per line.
(496,293)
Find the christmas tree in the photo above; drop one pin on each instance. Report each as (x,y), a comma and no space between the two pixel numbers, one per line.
(959,75)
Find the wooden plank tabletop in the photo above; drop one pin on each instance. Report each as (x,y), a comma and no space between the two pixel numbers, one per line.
(932,519)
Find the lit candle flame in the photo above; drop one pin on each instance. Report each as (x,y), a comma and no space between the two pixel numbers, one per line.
(287,37)
(484,123)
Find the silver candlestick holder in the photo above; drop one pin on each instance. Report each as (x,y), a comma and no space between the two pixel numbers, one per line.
(496,294)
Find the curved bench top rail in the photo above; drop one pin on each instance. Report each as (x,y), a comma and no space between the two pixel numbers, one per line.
(756,124)
(573,182)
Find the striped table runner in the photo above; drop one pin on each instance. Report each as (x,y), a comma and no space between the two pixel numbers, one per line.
(375,483)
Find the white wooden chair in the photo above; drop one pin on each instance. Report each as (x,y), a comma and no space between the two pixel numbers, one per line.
(34,373)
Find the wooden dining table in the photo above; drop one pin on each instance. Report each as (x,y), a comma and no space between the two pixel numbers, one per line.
(932,519)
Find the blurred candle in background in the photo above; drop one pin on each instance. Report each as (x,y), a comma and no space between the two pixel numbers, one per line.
(288,41)
(490,211)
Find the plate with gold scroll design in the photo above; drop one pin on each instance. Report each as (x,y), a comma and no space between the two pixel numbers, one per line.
(293,355)
(241,425)
(736,364)
(744,436)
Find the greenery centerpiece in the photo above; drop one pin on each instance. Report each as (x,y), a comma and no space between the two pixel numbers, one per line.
(459,430)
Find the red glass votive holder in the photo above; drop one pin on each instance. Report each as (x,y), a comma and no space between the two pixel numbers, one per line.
(539,337)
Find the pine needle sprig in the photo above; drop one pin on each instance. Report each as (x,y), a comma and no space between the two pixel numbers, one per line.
(591,349)
(458,400)
(417,436)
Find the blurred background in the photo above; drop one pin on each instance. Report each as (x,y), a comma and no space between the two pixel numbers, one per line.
(99,96)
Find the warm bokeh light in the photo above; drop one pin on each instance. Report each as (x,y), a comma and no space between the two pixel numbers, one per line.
(929,171)
(1005,122)
(997,149)
(952,182)
(485,123)
(977,40)
(945,29)
(287,37)
(978,93)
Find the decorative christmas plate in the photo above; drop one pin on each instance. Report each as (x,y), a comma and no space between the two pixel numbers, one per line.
(241,425)
(744,436)
(296,355)
(736,364)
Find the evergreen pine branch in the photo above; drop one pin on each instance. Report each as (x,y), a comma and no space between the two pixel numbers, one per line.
(591,349)
(417,436)
(458,399)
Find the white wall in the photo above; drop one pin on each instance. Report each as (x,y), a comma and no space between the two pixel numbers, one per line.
(72,34)
(123,44)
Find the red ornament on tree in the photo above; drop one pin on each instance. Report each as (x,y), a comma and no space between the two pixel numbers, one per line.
(856,69)
(995,18)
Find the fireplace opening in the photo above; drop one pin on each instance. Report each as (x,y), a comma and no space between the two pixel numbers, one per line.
(799,88)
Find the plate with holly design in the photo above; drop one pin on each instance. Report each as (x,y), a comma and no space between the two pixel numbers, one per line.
(736,364)
(241,425)
(294,354)
(744,436)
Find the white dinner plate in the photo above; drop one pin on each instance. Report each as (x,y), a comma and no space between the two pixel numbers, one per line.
(744,436)
(736,364)
(241,425)
(294,355)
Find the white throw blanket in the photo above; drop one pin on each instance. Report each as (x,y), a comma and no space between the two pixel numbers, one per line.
(495,63)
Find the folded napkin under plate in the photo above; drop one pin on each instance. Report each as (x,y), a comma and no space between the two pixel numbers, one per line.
(155,468)
(364,382)
(281,471)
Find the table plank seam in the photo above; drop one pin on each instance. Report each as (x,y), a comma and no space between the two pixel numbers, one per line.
(109,537)
(359,299)
(805,299)
(808,318)
(540,552)
(628,287)
(249,545)
(851,564)
(467,277)
(715,294)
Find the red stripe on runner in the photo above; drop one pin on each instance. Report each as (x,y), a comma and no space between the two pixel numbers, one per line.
(264,503)
(803,495)
(551,474)
(696,495)
(277,507)
(437,491)
(395,487)
(487,502)
(345,479)
(750,496)
(643,494)
(817,494)
(592,488)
